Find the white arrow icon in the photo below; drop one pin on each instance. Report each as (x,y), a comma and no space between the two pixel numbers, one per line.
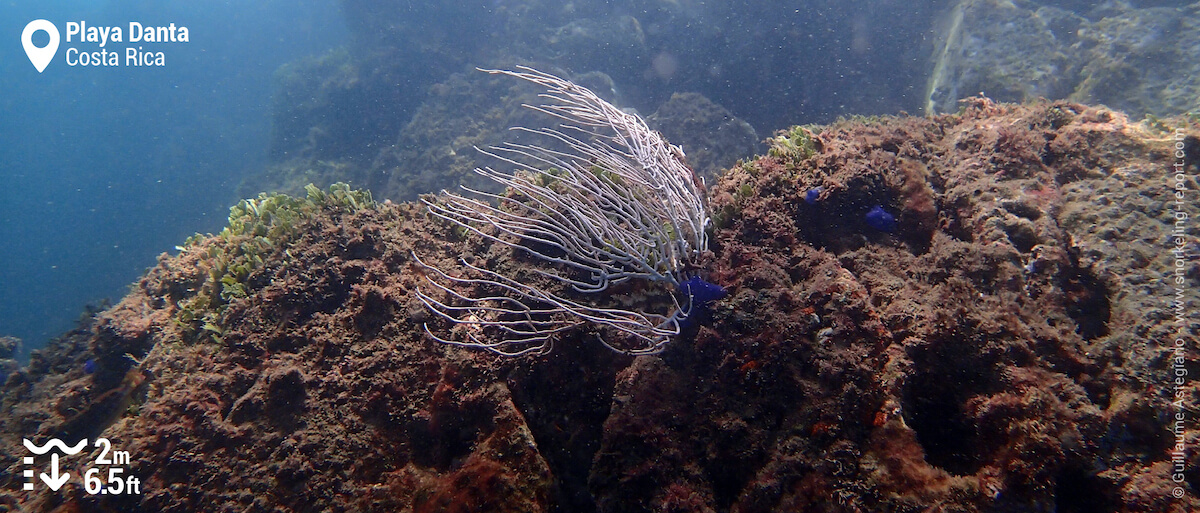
(54,480)
(40,57)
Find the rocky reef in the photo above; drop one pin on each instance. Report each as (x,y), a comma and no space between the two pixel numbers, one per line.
(397,109)
(1006,343)
(320,137)
(1135,56)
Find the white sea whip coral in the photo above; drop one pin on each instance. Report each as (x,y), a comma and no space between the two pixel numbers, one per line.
(617,204)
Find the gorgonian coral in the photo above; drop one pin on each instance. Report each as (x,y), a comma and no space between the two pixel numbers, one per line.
(606,201)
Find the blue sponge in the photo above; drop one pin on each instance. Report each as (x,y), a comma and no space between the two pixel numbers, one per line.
(701,293)
(881,220)
(813,195)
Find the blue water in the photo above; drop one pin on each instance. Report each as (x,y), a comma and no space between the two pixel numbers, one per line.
(102,169)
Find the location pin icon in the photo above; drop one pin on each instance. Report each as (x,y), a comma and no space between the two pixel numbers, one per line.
(40,57)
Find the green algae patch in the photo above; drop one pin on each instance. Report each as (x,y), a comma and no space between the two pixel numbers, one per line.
(257,229)
(796,144)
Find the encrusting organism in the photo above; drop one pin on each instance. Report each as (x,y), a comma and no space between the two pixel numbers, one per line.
(608,201)
(881,219)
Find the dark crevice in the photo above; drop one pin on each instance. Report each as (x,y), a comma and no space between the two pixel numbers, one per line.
(1080,491)
(565,400)
(1086,298)
(946,376)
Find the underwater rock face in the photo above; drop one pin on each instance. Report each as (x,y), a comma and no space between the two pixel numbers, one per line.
(713,137)
(434,149)
(8,352)
(1138,57)
(361,114)
(1002,350)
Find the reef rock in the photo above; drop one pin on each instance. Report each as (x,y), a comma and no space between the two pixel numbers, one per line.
(713,137)
(1131,56)
(1008,347)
